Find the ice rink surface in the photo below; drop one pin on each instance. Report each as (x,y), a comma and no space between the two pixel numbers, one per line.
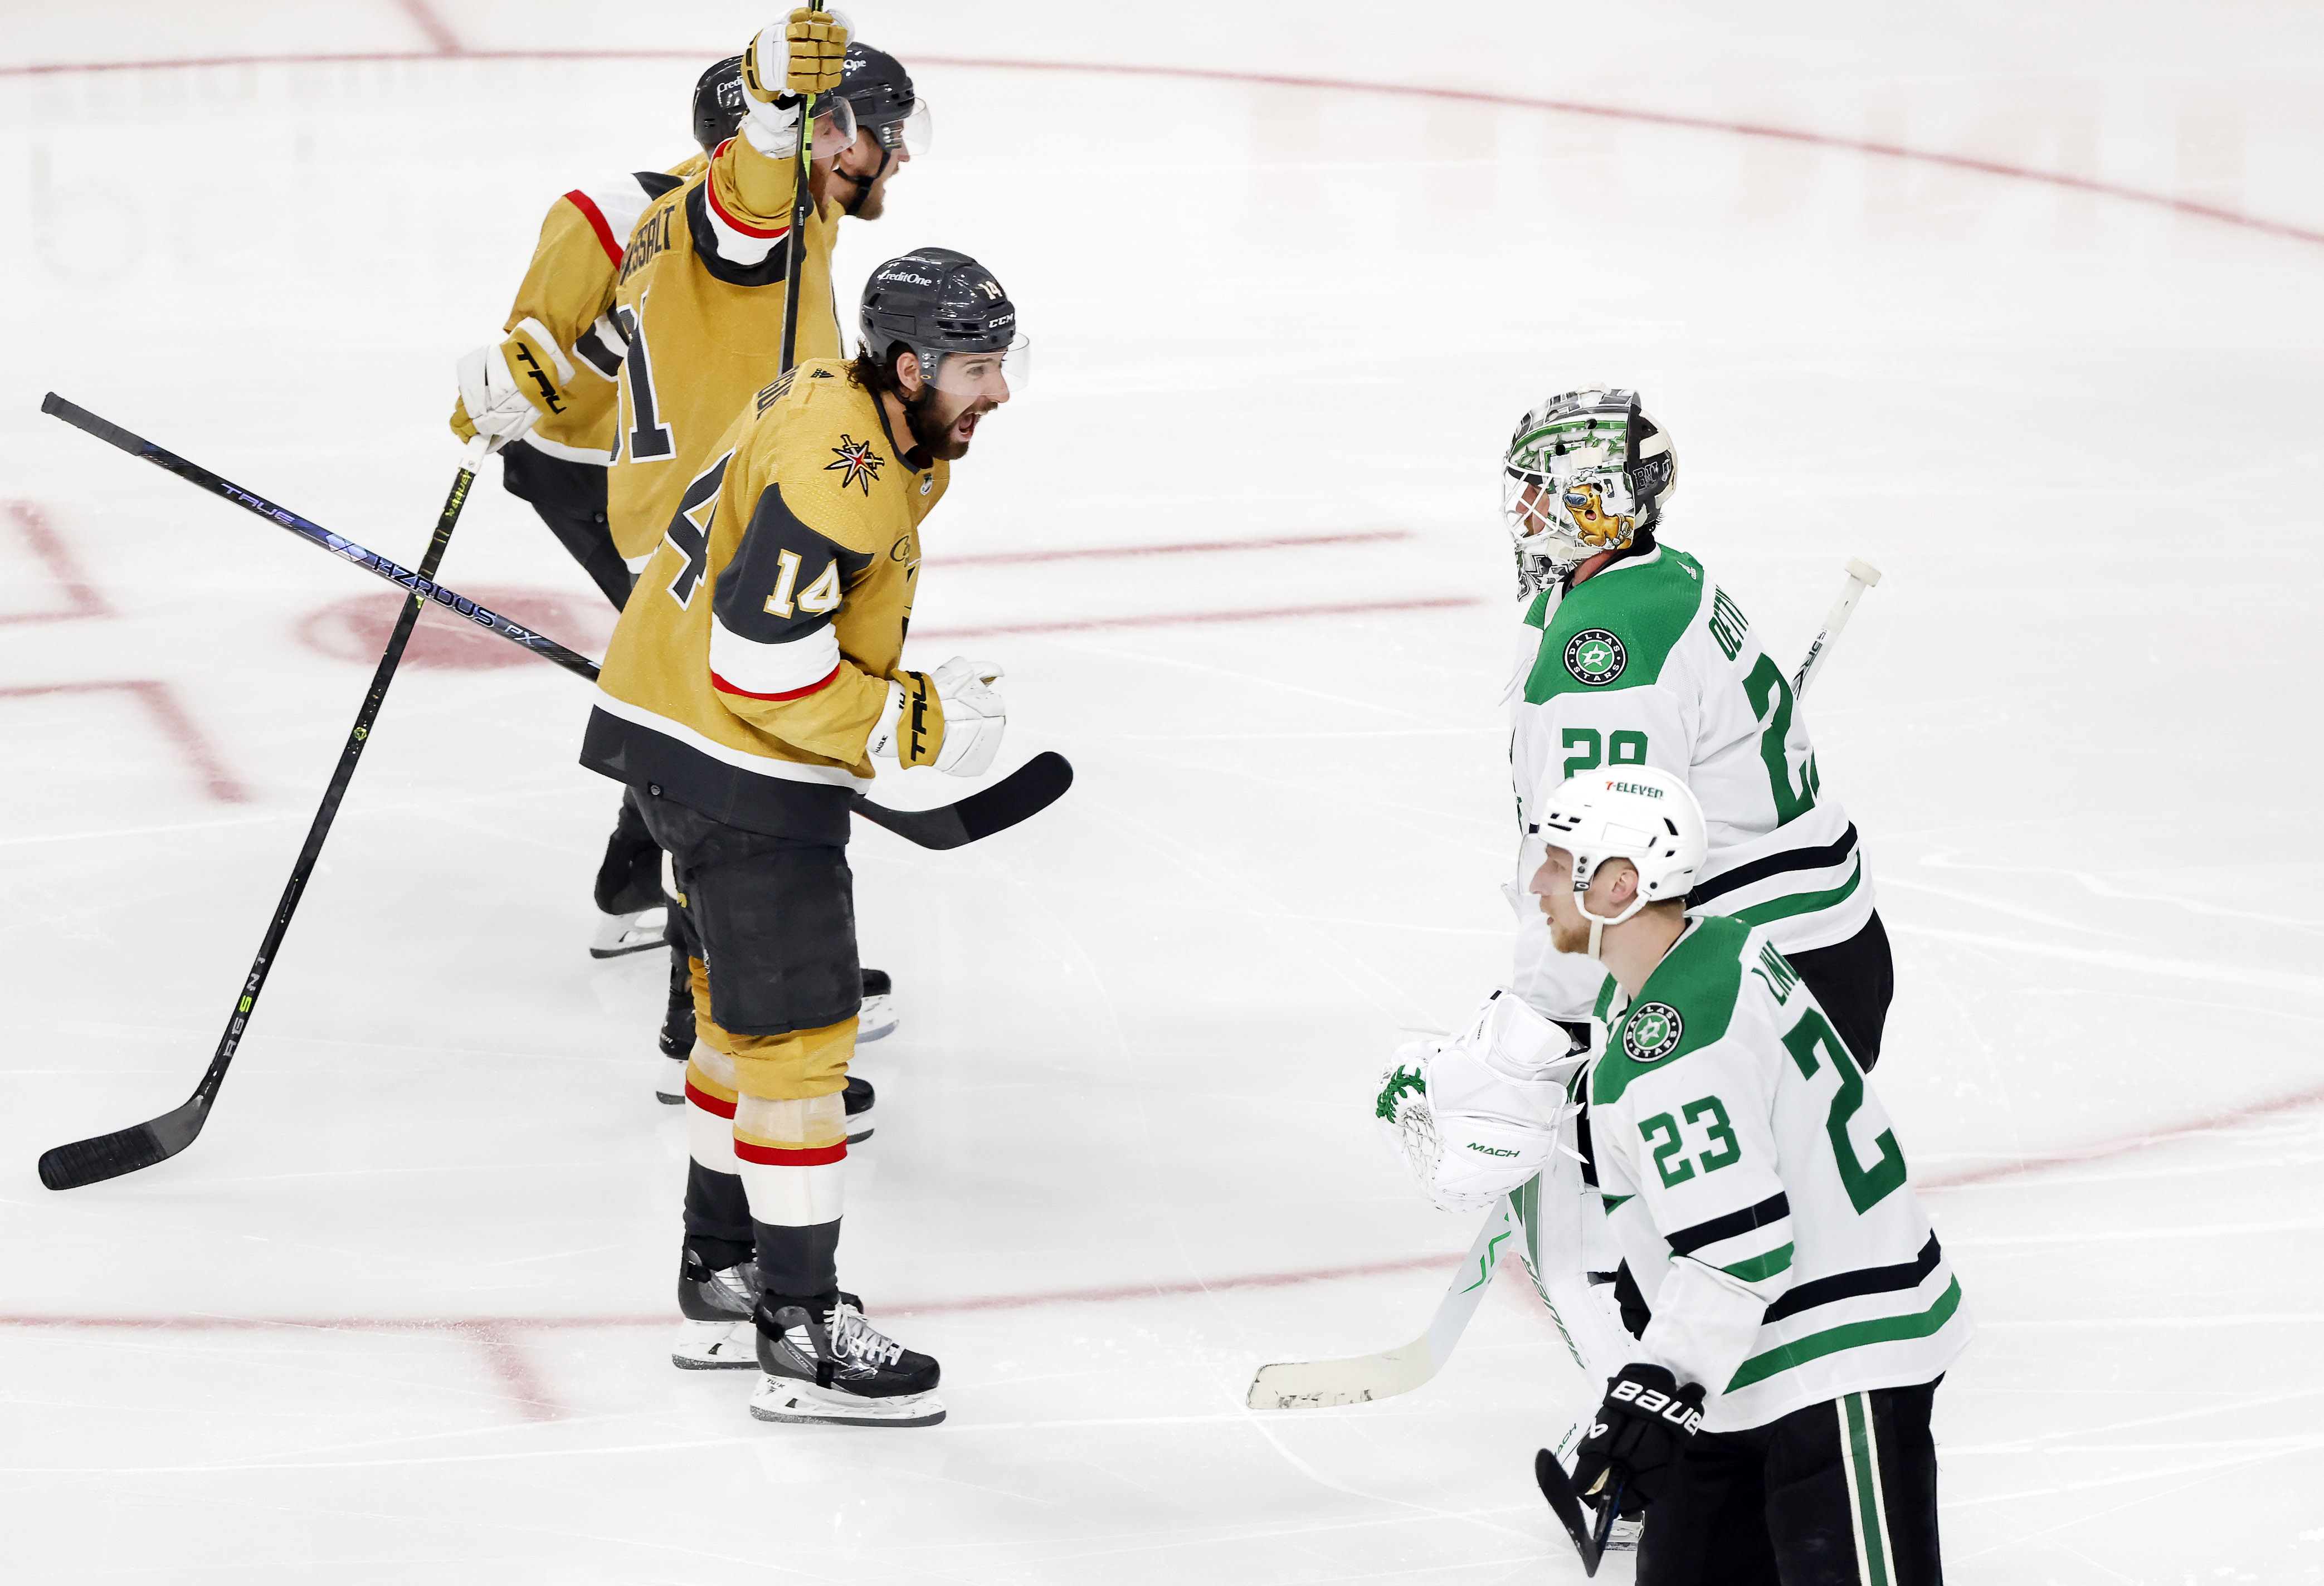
(2021,303)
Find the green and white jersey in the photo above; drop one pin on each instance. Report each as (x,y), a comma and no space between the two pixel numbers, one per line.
(1757,1191)
(1650,663)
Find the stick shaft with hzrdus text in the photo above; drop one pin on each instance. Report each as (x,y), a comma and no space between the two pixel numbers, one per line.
(1026,791)
(1292,1385)
(109,1155)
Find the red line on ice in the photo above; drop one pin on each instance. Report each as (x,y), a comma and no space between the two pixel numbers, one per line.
(1167,619)
(2099,1150)
(161,702)
(1743,129)
(81,596)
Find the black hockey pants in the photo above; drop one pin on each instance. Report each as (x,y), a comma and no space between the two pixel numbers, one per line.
(1853,980)
(1842,1493)
(570,498)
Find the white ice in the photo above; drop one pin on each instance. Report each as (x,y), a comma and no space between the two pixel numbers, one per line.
(400,1314)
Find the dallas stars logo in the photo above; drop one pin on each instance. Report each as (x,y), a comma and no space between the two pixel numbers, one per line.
(862,462)
(1652,1032)
(1595,657)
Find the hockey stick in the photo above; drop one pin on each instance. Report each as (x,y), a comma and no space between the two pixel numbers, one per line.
(1024,792)
(802,207)
(1861,576)
(109,1155)
(1295,1385)
(1306,1385)
(1588,1539)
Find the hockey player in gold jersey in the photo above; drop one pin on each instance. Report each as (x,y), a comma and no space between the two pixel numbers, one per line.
(754,677)
(553,384)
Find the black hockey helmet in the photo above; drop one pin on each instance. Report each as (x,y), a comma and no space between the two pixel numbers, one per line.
(718,103)
(876,85)
(935,300)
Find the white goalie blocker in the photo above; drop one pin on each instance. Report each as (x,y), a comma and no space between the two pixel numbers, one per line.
(1476,1114)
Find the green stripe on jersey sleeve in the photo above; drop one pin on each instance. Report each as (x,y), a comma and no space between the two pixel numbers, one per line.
(1761,1267)
(1847,1336)
(1802,902)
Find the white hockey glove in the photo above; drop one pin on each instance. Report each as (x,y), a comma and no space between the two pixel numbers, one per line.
(805,54)
(1475,1114)
(507,389)
(948,719)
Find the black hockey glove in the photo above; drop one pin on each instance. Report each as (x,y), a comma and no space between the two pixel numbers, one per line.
(1641,1433)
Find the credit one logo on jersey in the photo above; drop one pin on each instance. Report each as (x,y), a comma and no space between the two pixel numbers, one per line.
(1652,1032)
(1595,657)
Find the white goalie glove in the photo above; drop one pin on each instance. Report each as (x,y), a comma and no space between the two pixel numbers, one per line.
(960,736)
(1475,1114)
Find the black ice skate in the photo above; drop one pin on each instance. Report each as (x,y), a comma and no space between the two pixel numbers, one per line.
(833,1366)
(717,1334)
(860,1097)
(631,910)
(877,1017)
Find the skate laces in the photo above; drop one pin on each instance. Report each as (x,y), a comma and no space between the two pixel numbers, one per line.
(734,1288)
(853,1338)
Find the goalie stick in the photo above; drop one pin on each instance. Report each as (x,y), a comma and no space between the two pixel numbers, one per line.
(109,1155)
(1300,1385)
(1024,792)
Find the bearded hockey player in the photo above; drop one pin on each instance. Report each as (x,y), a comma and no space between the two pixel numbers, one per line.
(1768,1406)
(754,677)
(554,382)
(1632,655)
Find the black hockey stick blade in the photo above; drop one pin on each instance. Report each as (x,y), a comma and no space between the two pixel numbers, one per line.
(1589,1541)
(109,1155)
(1024,792)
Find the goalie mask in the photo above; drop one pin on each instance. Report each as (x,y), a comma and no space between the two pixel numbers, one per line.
(1587,471)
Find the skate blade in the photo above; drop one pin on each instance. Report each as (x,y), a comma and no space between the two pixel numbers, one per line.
(859,1128)
(618,933)
(716,1346)
(669,1090)
(876,1020)
(802,1404)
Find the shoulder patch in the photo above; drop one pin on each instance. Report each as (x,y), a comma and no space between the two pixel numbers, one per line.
(1617,630)
(1685,1005)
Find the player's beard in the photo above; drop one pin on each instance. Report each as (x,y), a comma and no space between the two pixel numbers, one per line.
(1570,935)
(932,420)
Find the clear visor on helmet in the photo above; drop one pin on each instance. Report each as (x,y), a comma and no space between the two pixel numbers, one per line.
(999,374)
(911,134)
(835,126)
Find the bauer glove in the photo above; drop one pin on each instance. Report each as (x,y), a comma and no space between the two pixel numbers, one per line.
(1637,1438)
(506,390)
(948,719)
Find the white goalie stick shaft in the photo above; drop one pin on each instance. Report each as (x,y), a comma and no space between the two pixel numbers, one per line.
(1306,1385)
(1302,1385)
(1861,576)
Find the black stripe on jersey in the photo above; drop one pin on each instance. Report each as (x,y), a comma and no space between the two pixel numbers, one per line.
(759,575)
(602,348)
(1847,1285)
(1774,865)
(768,272)
(1774,1209)
(656,182)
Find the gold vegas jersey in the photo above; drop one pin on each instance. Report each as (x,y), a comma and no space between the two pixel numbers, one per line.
(697,327)
(570,285)
(751,663)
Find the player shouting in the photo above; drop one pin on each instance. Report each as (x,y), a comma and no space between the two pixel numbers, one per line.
(755,673)
(1632,655)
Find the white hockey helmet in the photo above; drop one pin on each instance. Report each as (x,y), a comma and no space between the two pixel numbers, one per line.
(1585,472)
(1634,812)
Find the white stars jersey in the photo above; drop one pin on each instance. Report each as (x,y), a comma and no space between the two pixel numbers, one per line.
(1757,1189)
(1650,663)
